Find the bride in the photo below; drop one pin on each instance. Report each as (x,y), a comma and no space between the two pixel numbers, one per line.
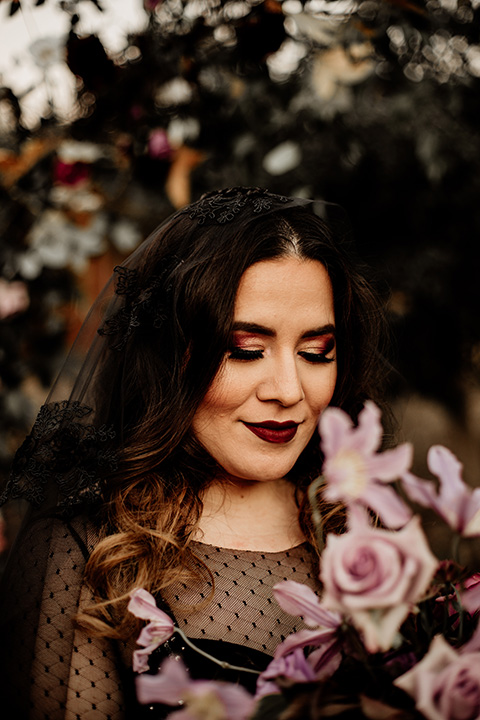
(180,459)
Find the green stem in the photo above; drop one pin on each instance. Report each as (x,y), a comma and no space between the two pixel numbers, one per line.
(223,664)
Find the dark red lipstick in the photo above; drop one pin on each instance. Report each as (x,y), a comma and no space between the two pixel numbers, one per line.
(273,432)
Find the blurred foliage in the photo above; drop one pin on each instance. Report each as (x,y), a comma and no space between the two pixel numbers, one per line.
(373,104)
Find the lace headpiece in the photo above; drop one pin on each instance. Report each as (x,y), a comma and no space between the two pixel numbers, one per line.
(72,446)
(224,207)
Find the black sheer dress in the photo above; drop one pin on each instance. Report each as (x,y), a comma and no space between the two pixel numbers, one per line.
(53,671)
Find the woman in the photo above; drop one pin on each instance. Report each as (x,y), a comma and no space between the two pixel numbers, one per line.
(180,461)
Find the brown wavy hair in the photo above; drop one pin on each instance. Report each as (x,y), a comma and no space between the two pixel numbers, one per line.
(152,389)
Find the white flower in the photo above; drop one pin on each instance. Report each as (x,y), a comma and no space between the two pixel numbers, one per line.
(335,68)
(125,236)
(71,151)
(174,92)
(282,158)
(181,130)
(56,242)
(76,199)
(48,51)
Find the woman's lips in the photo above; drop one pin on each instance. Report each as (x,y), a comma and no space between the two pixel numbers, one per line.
(273,432)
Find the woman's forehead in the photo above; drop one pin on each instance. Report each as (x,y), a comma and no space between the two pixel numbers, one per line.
(272,290)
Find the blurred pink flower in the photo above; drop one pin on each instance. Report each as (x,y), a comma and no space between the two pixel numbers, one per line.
(158,145)
(470,594)
(202,698)
(158,631)
(298,599)
(150,5)
(72,173)
(355,472)
(445,684)
(454,501)
(14,298)
(293,667)
(374,577)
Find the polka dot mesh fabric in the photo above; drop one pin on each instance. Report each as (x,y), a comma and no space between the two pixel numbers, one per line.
(243,609)
(52,671)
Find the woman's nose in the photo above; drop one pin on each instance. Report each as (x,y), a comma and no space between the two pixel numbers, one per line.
(281,383)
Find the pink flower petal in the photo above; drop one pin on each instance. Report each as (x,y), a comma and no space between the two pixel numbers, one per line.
(472,515)
(470,594)
(420,491)
(140,659)
(167,687)
(292,666)
(155,633)
(368,434)
(334,427)
(455,502)
(298,599)
(391,464)
(443,463)
(142,604)
(172,685)
(305,638)
(389,506)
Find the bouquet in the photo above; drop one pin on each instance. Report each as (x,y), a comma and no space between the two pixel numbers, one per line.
(394,634)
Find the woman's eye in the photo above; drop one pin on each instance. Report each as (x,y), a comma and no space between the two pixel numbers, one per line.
(243,354)
(315,357)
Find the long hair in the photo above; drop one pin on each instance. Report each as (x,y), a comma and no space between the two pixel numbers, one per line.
(156,382)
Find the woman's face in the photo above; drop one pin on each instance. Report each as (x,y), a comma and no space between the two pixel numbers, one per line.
(278,375)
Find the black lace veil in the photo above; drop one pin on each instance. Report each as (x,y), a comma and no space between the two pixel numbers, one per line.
(61,467)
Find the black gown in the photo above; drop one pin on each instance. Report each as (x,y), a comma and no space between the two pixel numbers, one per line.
(53,671)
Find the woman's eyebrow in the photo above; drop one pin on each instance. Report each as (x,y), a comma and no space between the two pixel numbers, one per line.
(263,330)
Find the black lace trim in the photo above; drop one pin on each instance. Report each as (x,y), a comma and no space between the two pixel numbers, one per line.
(62,449)
(224,206)
(144,307)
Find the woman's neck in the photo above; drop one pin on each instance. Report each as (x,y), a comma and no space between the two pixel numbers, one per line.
(250,516)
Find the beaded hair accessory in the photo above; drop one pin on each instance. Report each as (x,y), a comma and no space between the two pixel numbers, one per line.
(224,206)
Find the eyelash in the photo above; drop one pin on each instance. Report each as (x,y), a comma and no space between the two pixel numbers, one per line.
(242,354)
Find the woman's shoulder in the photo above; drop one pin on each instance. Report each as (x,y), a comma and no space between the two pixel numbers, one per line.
(76,535)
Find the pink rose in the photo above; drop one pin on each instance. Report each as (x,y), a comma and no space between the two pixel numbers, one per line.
(374,577)
(445,684)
